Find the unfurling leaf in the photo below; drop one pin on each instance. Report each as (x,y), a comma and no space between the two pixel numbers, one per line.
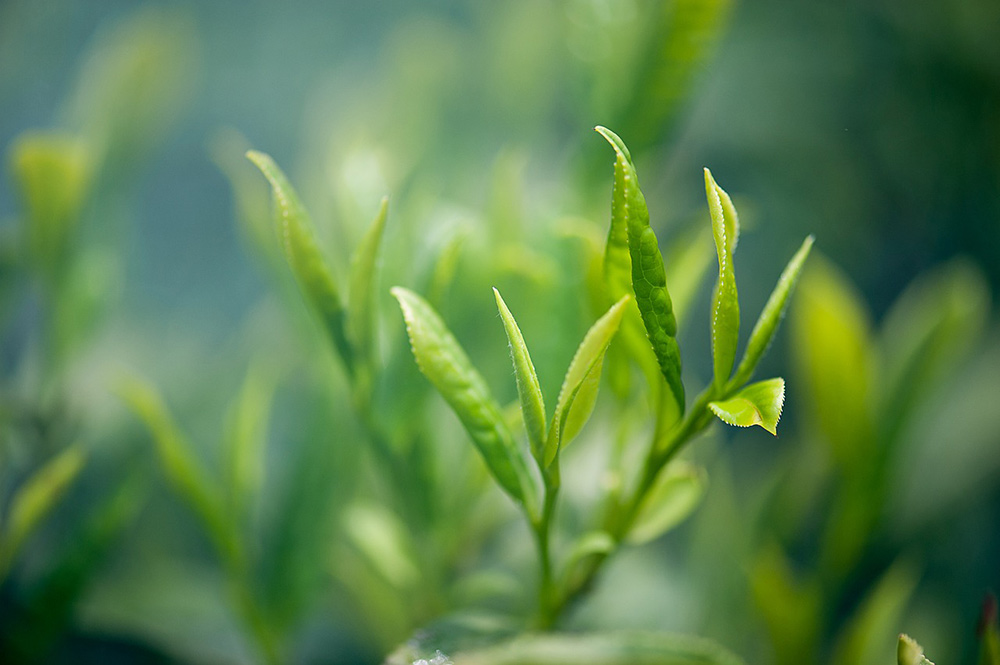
(528,390)
(757,404)
(725,302)
(770,317)
(308,266)
(649,282)
(445,364)
(364,267)
(36,498)
(676,494)
(908,652)
(579,389)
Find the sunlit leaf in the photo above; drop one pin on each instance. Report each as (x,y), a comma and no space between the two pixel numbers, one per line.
(36,498)
(528,390)
(725,302)
(310,269)
(362,306)
(770,317)
(757,404)
(674,497)
(649,282)
(908,652)
(579,389)
(443,361)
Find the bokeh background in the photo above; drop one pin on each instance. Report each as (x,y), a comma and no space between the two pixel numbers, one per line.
(873,125)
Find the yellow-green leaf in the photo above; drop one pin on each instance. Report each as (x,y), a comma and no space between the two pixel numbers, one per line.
(362,307)
(908,652)
(307,263)
(649,282)
(725,302)
(757,404)
(445,364)
(770,317)
(528,390)
(673,498)
(246,436)
(579,389)
(36,498)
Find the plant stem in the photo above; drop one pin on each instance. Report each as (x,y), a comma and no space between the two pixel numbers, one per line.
(547,613)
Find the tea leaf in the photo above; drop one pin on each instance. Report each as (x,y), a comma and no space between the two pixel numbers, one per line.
(528,390)
(36,498)
(382,539)
(649,280)
(676,494)
(908,652)
(303,255)
(579,389)
(770,317)
(443,361)
(589,544)
(725,302)
(757,404)
(791,607)
(246,435)
(361,309)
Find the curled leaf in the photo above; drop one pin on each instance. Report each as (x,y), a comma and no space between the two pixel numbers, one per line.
(757,404)
(725,302)
(528,390)
(445,364)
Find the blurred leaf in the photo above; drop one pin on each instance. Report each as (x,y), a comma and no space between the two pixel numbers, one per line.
(364,267)
(445,269)
(648,275)
(676,494)
(926,332)
(445,364)
(833,350)
(579,389)
(770,317)
(245,438)
(33,501)
(589,544)
(528,390)
(53,173)
(687,262)
(612,648)
(757,404)
(988,631)
(383,540)
(725,303)
(185,473)
(908,652)
(863,640)
(303,255)
(791,608)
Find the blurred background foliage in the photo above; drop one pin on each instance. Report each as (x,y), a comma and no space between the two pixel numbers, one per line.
(135,241)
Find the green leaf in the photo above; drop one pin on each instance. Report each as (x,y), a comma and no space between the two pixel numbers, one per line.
(770,317)
(308,266)
(610,648)
(445,268)
(757,404)
(183,470)
(53,173)
(791,607)
(445,364)
(725,302)
(528,389)
(649,281)
(362,308)
(36,498)
(383,540)
(908,652)
(579,389)
(590,544)
(245,437)
(989,632)
(676,494)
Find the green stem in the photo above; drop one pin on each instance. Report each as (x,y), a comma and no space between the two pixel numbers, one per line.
(547,613)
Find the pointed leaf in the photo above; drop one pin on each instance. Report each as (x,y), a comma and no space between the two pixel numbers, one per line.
(445,364)
(676,494)
(36,498)
(310,269)
(757,404)
(579,389)
(361,309)
(771,315)
(528,390)
(725,302)
(649,282)
(908,652)
(246,434)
